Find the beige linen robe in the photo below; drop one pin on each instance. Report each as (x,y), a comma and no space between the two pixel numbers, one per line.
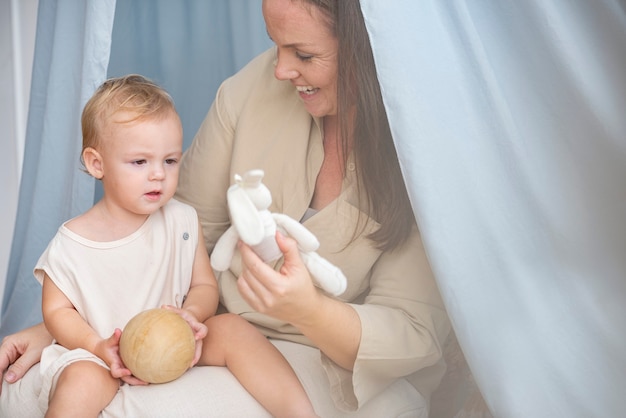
(257,121)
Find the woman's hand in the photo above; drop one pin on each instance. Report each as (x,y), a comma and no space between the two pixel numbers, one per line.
(20,351)
(287,294)
(199,329)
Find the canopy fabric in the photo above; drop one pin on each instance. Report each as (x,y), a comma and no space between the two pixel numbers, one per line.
(185,46)
(72,49)
(509,120)
(509,123)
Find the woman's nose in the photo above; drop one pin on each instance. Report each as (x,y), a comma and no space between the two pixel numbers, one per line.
(283,70)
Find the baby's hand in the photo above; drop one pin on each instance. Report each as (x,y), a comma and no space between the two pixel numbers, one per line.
(108,350)
(199,329)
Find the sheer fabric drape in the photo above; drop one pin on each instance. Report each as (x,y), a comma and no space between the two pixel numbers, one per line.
(17,41)
(71,56)
(188,47)
(509,122)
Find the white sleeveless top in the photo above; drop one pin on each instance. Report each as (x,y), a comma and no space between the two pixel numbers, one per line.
(109,282)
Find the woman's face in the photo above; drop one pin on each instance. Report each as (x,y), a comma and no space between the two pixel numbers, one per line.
(307,52)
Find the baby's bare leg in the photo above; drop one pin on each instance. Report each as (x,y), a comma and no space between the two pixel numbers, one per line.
(83,390)
(260,368)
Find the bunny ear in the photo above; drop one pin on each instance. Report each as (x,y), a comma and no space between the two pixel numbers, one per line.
(253,178)
(245,216)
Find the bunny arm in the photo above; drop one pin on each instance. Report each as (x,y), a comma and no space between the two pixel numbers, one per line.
(328,276)
(224,249)
(305,238)
(245,216)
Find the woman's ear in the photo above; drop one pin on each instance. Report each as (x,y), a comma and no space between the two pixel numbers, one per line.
(93,162)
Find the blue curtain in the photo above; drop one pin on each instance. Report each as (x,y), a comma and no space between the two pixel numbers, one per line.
(71,56)
(189,47)
(509,118)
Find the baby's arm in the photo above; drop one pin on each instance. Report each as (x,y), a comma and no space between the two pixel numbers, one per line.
(202,298)
(70,330)
(63,321)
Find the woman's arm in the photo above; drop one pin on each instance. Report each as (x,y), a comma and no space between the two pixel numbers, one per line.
(204,176)
(396,331)
(20,351)
(289,294)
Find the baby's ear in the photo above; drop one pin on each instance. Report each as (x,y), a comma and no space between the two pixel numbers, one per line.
(93,162)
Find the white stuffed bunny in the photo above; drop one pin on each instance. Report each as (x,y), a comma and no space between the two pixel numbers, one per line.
(252,222)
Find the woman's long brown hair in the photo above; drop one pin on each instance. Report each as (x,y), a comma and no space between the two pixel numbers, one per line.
(362,114)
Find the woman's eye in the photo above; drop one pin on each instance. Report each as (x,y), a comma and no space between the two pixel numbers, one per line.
(303,57)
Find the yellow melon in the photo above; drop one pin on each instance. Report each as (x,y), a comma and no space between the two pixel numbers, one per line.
(157,345)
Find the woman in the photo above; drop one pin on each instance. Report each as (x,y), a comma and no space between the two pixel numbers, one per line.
(309,113)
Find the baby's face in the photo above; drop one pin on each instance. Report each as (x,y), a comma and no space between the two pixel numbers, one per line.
(141,162)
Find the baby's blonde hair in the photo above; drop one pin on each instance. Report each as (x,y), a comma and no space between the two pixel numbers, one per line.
(133,94)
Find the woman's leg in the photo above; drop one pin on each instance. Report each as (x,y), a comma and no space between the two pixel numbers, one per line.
(213,391)
(83,390)
(233,342)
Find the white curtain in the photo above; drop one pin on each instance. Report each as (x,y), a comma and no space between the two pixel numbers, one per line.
(510,122)
(17,41)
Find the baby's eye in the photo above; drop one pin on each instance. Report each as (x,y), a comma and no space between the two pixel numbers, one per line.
(170,161)
(139,162)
